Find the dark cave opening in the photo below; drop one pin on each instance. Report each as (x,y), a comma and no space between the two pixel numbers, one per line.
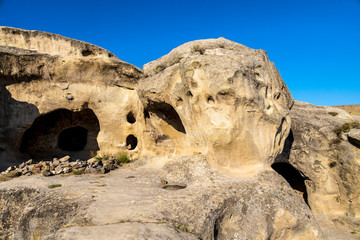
(167,113)
(293,177)
(62,132)
(73,139)
(130,118)
(131,142)
(355,142)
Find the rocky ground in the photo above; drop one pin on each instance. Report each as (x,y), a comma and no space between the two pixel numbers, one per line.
(155,199)
(65,165)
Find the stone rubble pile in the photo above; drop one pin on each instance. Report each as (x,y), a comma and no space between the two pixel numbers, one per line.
(64,165)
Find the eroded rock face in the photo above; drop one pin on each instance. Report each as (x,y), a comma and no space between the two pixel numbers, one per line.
(320,146)
(224,100)
(207,108)
(56,91)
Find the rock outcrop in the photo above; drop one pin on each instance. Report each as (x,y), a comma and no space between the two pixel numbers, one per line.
(220,149)
(61,96)
(320,146)
(215,94)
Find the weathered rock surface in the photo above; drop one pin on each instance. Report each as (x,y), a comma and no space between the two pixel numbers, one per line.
(320,148)
(50,83)
(131,203)
(204,123)
(211,95)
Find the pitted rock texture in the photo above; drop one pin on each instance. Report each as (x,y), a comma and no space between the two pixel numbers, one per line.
(219,93)
(203,125)
(320,147)
(50,84)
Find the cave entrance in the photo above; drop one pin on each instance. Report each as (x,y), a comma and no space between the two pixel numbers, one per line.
(62,132)
(167,113)
(73,139)
(293,177)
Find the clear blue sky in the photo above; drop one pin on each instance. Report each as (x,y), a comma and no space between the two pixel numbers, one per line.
(314,43)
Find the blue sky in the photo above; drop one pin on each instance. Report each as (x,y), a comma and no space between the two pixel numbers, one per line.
(314,43)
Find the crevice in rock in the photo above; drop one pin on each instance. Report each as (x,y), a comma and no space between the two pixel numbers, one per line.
(146,114)
(285,154)
(355,142)
(167,113)
(293,177)
(216,228)
(60,131)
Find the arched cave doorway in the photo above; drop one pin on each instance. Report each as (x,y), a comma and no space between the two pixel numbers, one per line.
(167,113)
(293,177)
(131,142)
(62,132)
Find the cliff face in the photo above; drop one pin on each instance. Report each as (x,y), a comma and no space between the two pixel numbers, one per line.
(222,151)
(50,83)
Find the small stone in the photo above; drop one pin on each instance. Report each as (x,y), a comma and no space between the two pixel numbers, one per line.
(28,173)
(94,170)
(93,162)
(46,173)
(22,165)
(13,174)
(10,168)
(38,165)
(69,97)
(66,169)
(108,166)
(29,162)
(58,170)
(64,159)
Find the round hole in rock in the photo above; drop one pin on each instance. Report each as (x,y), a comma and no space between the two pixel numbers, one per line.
(131,142)
(130,118)
(73,139)
(210,100)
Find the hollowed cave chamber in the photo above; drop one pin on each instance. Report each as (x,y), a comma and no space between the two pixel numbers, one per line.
(62,132)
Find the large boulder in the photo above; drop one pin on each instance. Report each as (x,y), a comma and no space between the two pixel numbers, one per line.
(221,99)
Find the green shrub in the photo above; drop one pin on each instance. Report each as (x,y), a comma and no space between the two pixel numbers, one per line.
(346,128)
(122,158)
(333,113)
(54,186)
(198,49)
(159,68)
(332,164)
(77,172)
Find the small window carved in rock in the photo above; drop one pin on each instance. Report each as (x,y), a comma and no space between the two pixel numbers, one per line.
(130,118)
(131,142)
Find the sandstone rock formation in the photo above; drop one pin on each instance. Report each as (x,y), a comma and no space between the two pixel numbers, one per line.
(320,146)
(61,96)
(216,94)
(220,149)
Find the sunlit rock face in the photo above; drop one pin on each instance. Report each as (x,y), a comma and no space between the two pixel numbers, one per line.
(56,91)
(230,100)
